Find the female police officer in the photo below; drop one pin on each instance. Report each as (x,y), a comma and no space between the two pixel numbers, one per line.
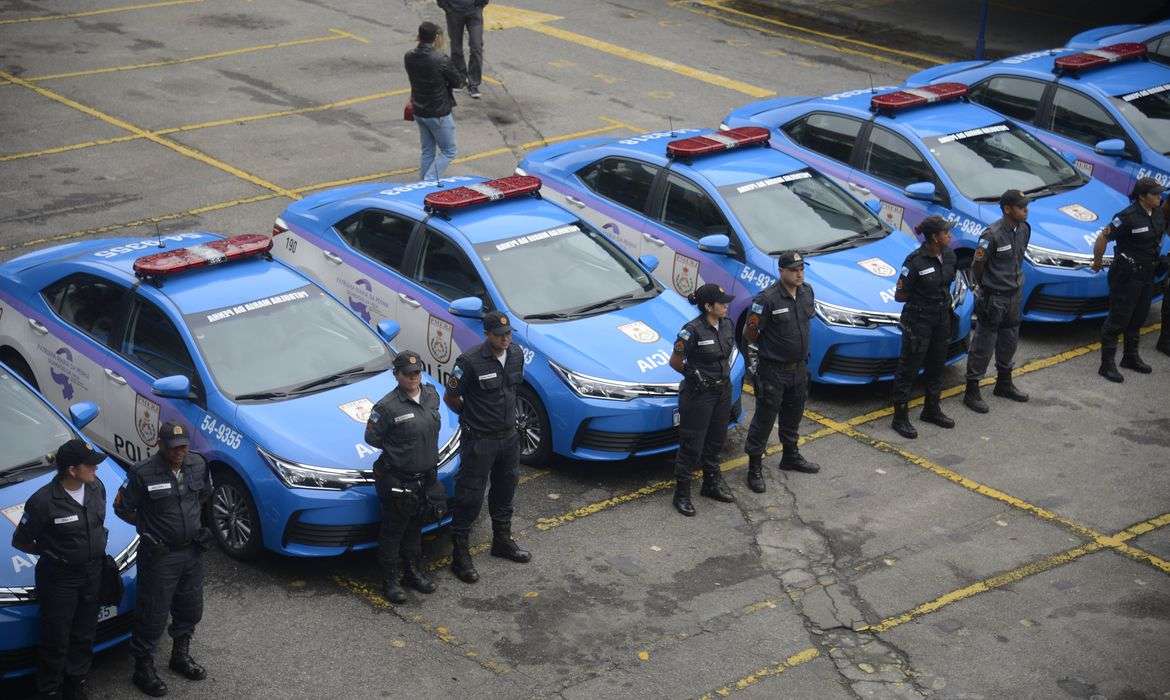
(924,285)
(702,354)
(64,524)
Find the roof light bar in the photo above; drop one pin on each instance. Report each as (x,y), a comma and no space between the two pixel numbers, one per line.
(916,97)
(717,142)
(1095,58)
(491,191)
(172,262)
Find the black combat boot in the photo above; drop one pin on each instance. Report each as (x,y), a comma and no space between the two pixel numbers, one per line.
(682,497)
(1005,388)
(392,589)
(1130,359)
(504,547)
(715,487)
(755,477)
(461,564)
(932,413)
(793,461)
(146,677)
(182,663)
(415,577)
(902,424)
(1108,369)
(972,399)
(75,688)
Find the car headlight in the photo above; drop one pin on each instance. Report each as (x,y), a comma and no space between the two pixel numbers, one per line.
(1047,257)
(18,594)
(127,556)
(857,318)
(305,476)
(597,388)
(451,448)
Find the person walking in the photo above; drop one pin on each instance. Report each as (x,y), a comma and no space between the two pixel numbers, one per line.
(433,79)
(466,15)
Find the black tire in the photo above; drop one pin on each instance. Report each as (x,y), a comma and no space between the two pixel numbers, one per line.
(13,359)
(535,436)
(235,521)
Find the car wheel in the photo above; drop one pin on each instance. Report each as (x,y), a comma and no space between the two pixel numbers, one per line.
(532,421)
(13,359)
(234,519)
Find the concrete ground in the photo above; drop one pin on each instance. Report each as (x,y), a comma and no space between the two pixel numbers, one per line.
(1023,554)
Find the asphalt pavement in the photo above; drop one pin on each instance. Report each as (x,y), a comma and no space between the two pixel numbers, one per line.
(1022,554)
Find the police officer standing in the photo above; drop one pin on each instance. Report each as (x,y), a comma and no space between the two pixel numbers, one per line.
(64,525)
(778,323)
(925,286)
(164,498)
(1136,232)
(702,354)
(482,390)
(998,273)
(405,426)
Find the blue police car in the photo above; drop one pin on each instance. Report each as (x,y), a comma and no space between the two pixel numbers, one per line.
(1107,108)
(924,151)
(718,206)
(595,328)
(31,430)
(273,375)
(1155,36)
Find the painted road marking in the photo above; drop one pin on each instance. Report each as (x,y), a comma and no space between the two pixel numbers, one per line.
(106,11)
(798,659)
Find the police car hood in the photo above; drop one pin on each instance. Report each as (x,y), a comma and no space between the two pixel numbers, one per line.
(857,277)
(16,569)
(325,429)
(1067,221)
(632,344)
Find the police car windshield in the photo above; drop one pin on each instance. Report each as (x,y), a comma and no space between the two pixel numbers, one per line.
(29,429)
(563,272)
(803,210)
(1149,113)
(985,161)
(268,347)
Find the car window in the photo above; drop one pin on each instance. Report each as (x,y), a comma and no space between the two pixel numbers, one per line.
(1159,49)
(827,134)
(985,161)
(90,304)
(378,234)
(1018,98)
(154,344)
(625,181)
(891,158)
(688,209)
(1148,112)
(28,428)
(1081,119)
(446,271)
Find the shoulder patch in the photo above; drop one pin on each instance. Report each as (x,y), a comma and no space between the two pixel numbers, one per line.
(1116,222)
(757,307)
(905,271)
(457,373)
(984,242)
(684,335)
(374,417)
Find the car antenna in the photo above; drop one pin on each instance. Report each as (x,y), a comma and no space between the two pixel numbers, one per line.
(670,121)
(871,88)
(158,234)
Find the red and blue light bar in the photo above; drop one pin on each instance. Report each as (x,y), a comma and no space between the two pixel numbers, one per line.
(917,97)
(482,193)
(717,142)
(172,262)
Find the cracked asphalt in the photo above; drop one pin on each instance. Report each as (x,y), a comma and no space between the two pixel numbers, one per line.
(1022,554)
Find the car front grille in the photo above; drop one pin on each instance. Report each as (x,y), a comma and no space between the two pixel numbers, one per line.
(1072,306)
(876,366)
(314,535)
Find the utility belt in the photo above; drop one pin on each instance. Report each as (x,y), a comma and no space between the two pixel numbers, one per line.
(1137,264)
(700,381)
(490,435)
(783,365)
(157,543)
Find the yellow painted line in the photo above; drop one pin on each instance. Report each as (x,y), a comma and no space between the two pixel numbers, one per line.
(350,35)
(798,659)
(625,125)
(105,11)
(65,149)
(499,17)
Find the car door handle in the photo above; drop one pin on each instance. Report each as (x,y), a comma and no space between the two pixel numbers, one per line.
(331,257)
(574,201)
(859,188)
(115,377)
(653,239)
(37,326)
(408,301)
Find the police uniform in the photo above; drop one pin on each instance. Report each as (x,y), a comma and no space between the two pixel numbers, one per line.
(926,328)
(1136,236)
(997,309)
(70,540)
(407,431)
(490,446)
(167,507)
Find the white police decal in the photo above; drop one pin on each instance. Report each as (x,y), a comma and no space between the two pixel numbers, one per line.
(659,358)
(639,332)
(14,513)
(879,267)
(358,409)
(1079,213)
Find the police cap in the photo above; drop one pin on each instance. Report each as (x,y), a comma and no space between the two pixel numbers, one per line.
(791,260)
(408,362)
(1146,185)
(496,323)
(172,434)
(77,452)
(1013,198)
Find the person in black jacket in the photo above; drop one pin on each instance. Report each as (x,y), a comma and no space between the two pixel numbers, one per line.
(433,78)
(466,14)
(64,525)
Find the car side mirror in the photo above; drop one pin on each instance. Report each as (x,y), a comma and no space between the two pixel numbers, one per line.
(874,205)
(173,387)
(921,190)
(467,307)
(388,329)
(649,262)
(716,243)
(1110,147)
(83,413)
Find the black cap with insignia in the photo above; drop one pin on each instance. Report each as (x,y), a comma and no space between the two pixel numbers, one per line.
(172,435)
(791,260)
(77,452)
(408,362)
(496,323)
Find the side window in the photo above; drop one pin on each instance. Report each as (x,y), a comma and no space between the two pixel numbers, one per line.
(1018,98)
(1081,119)
(154,344)
(1159,49)
(445,270)
(688,209)
(892,158)
(827,134)
(378,234)
(625,181)
(90,304)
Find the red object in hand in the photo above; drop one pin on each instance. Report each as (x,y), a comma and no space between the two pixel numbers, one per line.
(408,111)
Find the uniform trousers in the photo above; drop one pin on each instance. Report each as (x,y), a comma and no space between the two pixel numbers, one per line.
(925,334)
(484,461)
(1131,287)
(702,426)
(781,390)
(169,582)
(68,596)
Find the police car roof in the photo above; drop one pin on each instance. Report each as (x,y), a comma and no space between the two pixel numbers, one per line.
(935,119)
(1115,79)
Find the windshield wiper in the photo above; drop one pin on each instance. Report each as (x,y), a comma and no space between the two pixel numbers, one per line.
(986,198)
(831,245)
(352,371)
(9,476)
(607,302)
(546,315)
(262,395)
